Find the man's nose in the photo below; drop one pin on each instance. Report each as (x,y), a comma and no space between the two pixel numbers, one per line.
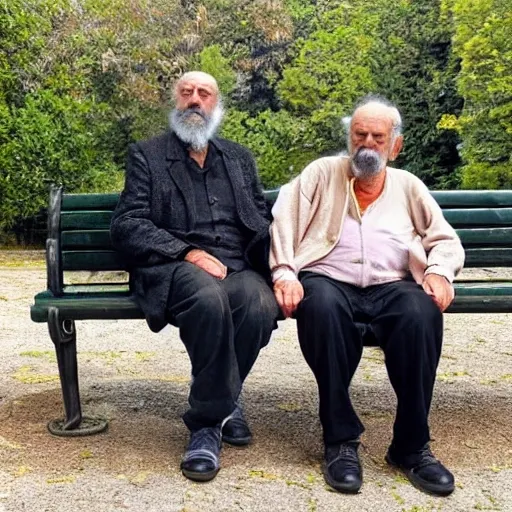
(194,98)
(369,141)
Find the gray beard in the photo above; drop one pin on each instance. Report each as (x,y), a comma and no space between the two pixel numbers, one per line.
(366,163)
(194,127)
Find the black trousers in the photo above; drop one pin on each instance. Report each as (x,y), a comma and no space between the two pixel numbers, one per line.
(408,327)
(223,325)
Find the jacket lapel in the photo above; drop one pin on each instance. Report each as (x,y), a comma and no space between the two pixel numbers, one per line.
(180,175)
(244,203)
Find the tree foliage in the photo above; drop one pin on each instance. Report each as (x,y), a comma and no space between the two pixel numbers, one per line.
(332,69)
(81,79)
(417,71)
(483,42)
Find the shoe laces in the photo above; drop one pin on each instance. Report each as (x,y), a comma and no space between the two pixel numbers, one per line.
(425,457)
(347,453)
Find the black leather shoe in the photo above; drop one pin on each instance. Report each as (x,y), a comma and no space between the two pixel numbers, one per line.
(423,470)
(201,459)
(235,430)
(342,468)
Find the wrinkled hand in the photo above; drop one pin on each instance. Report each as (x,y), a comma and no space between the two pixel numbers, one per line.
(288,295)
(207,262)
(440,289)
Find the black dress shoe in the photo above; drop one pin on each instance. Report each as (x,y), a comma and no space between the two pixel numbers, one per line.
(235,430)
(201,459)
(423,470)
(342,468)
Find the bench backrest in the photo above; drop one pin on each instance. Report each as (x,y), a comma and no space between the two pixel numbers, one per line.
(79,225)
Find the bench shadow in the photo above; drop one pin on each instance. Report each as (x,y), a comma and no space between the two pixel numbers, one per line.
(470,427)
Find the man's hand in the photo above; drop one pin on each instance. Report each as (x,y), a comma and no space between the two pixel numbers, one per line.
(207,262)
(440,289)
(288,295)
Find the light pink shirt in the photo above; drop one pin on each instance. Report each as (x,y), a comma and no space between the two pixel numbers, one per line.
(373,248)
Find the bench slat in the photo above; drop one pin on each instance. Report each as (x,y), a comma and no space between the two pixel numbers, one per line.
(483,288)
(89,201)
(473,198)
(478,217)
(92,260)
(104,259)
(445,198)
(92,238)
(111,260)
(85,219)
(480,304)
(100,238)
(488,257)
(485,236)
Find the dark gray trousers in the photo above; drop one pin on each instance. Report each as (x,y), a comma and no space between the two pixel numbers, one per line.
(408,327)
(223,325)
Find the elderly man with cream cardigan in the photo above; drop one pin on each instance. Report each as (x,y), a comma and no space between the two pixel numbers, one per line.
(355,241)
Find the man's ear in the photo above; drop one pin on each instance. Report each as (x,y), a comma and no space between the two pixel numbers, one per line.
(397,147)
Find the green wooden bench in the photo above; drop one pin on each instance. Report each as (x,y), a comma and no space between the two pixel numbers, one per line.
(78,240)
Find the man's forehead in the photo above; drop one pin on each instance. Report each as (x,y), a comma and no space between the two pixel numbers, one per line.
(198,79)
(375,112)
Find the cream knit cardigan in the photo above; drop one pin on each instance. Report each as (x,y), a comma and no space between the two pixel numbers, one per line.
(310,211)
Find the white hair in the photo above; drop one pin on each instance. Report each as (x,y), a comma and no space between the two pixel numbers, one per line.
(392,110)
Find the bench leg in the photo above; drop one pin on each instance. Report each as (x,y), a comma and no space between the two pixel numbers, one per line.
(63,335)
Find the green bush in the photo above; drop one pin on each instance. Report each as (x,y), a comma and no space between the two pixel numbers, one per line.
(52,139)
(279,142)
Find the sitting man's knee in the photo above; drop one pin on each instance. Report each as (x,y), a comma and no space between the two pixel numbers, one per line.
(212,299)
(318,300)
(420,308)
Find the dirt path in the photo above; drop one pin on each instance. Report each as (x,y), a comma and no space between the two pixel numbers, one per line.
(139,380)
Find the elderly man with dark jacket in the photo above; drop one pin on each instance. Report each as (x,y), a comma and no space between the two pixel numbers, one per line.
(193,224)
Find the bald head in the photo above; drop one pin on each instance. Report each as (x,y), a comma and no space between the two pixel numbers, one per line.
(198,78)
(382,110)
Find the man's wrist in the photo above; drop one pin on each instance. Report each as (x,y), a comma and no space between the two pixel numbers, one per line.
(283,274)
(437,272)
(183,254)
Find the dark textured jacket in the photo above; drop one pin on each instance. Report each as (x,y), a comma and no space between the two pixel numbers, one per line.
(158,198)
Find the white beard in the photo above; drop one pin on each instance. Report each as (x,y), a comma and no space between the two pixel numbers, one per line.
(194,127)
(366,163)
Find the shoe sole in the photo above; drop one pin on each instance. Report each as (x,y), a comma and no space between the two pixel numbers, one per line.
(200,477)
(337,486)
(433,489)
(237,441)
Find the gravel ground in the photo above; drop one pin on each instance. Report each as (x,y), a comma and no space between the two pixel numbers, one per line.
(139,380)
